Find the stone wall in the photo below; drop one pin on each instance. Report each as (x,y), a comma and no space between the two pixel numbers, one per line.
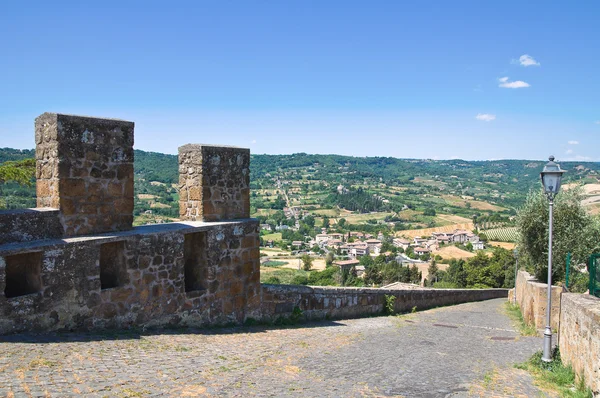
(580,336)
(532,299)
(76,263)
(29,224)
(339,302)
(223,174)
(84,168)
(131,278)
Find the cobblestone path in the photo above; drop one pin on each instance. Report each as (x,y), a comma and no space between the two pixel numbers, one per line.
(464,350)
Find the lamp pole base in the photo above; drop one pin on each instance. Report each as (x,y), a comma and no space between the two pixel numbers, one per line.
(547,355)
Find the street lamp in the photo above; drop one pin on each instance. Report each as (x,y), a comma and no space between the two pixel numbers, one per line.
(516,255)
(551,178)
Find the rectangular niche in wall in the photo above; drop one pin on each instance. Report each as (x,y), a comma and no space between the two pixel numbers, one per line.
(23,274)
(113,266)
(194,254)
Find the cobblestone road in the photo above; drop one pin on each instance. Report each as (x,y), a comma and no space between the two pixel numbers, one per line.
(464,350)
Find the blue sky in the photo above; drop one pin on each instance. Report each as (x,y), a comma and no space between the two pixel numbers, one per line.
(411,79)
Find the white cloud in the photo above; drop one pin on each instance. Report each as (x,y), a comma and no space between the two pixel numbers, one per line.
(486,117)
(504,83)
(569,151)
(597,122)
(253,142)
(527,60)
(573,143)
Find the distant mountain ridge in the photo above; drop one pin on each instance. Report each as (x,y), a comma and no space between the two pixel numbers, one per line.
(505,182)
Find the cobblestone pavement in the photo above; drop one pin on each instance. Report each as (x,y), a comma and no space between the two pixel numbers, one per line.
(464,350)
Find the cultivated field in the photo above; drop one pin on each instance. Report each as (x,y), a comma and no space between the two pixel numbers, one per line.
(450,252)
(145,196)
(504,245)
(411,233)
(506,234)
(362,218)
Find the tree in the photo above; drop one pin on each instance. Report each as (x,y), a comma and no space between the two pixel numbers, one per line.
(574,231)
(429,212)
(20,171)
(415,275)
(329,259)
(306,262)
(325,222)
(341,222)
(432,273)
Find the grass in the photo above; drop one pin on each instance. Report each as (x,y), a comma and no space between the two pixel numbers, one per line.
(514,312)
(555,376)
(274,263)
(274,237)
(285,275)
(362,218)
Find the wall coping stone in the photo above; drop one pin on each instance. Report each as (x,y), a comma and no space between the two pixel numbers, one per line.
(150,229)
(44,210)
(358,290)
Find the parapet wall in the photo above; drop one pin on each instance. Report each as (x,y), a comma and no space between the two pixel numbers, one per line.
(189,273)
(580,336)
(346,302)
(532,298)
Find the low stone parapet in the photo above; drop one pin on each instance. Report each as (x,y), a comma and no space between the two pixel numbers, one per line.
(580,336)
(532,297)
(348,302)
(187,273)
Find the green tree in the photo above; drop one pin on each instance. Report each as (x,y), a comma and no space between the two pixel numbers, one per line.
(306,262)
(19,171)
(325,222)
(432,273)
(574,231)
(329,259)
(341,222)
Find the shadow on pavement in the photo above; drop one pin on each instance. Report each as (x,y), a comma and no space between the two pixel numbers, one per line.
(137,333)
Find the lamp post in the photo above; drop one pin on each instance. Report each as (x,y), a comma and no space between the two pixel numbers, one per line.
(551,179)
(516,255)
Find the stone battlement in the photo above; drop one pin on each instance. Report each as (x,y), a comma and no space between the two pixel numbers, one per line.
(75,262)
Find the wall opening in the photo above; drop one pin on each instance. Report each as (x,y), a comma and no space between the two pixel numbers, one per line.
(113,266)
(196,267)
(23,274)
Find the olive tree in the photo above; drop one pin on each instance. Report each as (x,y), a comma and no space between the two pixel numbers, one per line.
(574,231)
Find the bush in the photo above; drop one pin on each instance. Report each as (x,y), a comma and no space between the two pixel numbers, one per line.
(273,280)
(300,280)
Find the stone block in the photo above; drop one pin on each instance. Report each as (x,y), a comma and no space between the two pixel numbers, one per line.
(87,158)
(215,180)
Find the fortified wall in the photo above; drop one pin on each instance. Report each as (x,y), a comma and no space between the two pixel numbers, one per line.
(76,262)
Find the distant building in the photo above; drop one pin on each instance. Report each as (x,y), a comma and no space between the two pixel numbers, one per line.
(401,243)
(478,245)
(321,238)
(265,227)
(346,265)
(421,250)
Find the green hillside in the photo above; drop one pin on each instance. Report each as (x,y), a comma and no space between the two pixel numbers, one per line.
(407,191)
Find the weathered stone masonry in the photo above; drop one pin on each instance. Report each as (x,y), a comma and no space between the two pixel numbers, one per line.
(75,262)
